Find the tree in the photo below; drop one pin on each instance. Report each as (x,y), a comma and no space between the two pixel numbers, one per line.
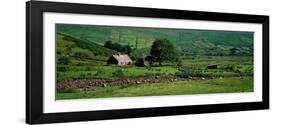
(136,54)
(118,47)
(150,60)
(126,49)
(163,50)
(108,44)
(140,62)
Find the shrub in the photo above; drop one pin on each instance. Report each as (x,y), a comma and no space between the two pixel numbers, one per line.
(99,73)
(118,47)
(212,66)
(150,60)
(140,62)
(136,54)
(118,73)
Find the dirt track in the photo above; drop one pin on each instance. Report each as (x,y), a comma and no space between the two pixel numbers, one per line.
(96,83)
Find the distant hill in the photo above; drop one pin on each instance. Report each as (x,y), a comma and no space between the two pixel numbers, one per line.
(190,42)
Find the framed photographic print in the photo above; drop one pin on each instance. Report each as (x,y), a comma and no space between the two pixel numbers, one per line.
(95,62)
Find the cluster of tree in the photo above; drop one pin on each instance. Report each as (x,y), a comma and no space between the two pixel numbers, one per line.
(140,62)
(118,47)
(163,50)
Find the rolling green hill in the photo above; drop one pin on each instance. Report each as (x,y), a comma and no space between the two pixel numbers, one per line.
(75,53)
(190,42)
(69,44)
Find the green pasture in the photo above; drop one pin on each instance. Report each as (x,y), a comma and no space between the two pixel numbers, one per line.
(117,72)
(94,68)
(225,85)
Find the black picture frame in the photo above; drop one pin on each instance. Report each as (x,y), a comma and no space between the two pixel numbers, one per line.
(34,62)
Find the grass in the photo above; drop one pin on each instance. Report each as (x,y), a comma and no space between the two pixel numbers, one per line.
(109,72)
(201,62)
(227,65)
(71,46)
(225,85)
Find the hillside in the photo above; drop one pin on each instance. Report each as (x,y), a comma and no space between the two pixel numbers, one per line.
(190,42)
(74,52)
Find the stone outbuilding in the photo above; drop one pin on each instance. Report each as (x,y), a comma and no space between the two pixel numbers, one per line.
(120,59)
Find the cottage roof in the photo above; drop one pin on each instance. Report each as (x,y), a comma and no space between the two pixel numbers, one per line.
(122,58)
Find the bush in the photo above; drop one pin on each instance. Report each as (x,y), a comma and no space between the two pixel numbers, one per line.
(118,47)
(150,60)
(140,62)
(136,54)
(118,73)
(99,72)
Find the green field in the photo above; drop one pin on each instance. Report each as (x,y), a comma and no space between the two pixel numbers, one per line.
(117,72)
(226,85)
(238,65)
(81,54)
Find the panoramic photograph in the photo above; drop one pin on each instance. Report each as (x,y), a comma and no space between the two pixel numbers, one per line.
(94,61)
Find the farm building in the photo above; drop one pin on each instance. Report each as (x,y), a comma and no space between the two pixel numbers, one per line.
(120,59)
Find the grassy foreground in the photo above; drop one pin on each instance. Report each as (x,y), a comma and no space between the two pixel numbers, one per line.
(225,85)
